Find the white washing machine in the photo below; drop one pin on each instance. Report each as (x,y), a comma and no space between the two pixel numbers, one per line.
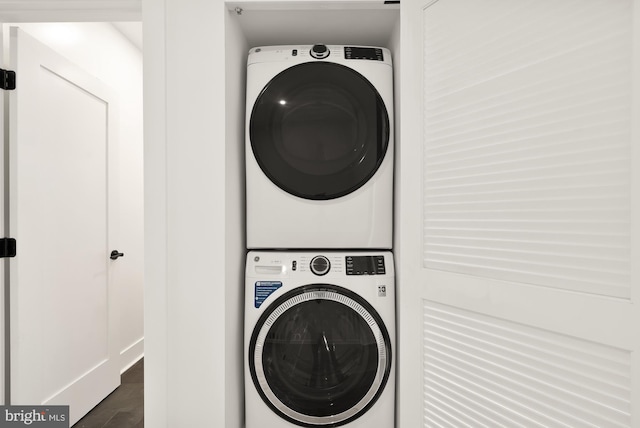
(319,339)
(319,147)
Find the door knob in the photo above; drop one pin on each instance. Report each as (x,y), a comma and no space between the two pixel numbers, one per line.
(115,254)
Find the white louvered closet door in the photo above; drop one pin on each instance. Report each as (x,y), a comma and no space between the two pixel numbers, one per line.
(525,222)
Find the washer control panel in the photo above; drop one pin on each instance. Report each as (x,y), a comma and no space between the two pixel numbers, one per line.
(351,265)
(365,265)
(276,264)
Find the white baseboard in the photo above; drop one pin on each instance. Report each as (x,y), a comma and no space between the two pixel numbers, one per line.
(131,355)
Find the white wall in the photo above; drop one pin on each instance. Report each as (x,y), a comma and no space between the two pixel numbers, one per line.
(103,51)
(235,61)
(186,260)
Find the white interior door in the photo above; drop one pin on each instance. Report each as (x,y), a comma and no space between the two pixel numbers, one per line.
(519,199)
(63,347)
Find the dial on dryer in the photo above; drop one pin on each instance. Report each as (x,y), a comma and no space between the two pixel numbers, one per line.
(319,51)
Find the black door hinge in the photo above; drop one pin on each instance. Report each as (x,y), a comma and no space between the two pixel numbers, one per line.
(7,247)
(7,80)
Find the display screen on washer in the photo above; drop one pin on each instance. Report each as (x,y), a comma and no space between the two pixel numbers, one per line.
(320,353)
(365,265)
(319,130)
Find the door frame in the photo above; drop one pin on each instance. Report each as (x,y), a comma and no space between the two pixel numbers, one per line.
(36,11)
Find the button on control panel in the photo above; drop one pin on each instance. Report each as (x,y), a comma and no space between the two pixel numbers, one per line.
(365,265)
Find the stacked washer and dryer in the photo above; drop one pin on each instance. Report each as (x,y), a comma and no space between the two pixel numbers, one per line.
(320,289)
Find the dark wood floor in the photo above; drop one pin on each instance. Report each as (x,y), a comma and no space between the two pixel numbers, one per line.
(124,407)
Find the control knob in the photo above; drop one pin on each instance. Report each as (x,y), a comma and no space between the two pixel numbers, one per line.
(320,51)
(320,265)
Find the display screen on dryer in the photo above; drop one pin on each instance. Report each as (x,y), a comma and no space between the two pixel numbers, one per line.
(354,52)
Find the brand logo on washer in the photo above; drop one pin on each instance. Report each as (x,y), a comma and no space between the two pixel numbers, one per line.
(382,291)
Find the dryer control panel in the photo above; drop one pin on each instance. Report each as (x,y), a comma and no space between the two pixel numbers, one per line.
(356,52)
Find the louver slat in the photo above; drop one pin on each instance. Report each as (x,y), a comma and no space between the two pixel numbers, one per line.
(527,142)
(482,371)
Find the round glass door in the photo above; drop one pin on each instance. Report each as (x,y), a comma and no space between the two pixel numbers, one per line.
(319,130)
(320,355)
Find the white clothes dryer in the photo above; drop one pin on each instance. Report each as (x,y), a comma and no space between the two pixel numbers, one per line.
(319,339)
(319,147)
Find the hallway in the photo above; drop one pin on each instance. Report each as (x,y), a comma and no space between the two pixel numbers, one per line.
(124,407)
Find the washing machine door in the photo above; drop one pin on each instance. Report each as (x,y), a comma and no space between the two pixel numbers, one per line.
(319,130)
(320,356)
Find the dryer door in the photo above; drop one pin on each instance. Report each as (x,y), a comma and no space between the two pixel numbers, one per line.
(319,130)
(320,355)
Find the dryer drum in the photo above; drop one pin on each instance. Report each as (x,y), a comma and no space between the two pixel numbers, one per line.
(320,355)
(319,130)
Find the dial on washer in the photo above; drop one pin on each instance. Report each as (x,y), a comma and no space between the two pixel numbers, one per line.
(320,265)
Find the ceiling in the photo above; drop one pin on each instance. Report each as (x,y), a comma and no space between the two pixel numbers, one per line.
(132,31)
(126,15)
(328,26)
(70,10)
